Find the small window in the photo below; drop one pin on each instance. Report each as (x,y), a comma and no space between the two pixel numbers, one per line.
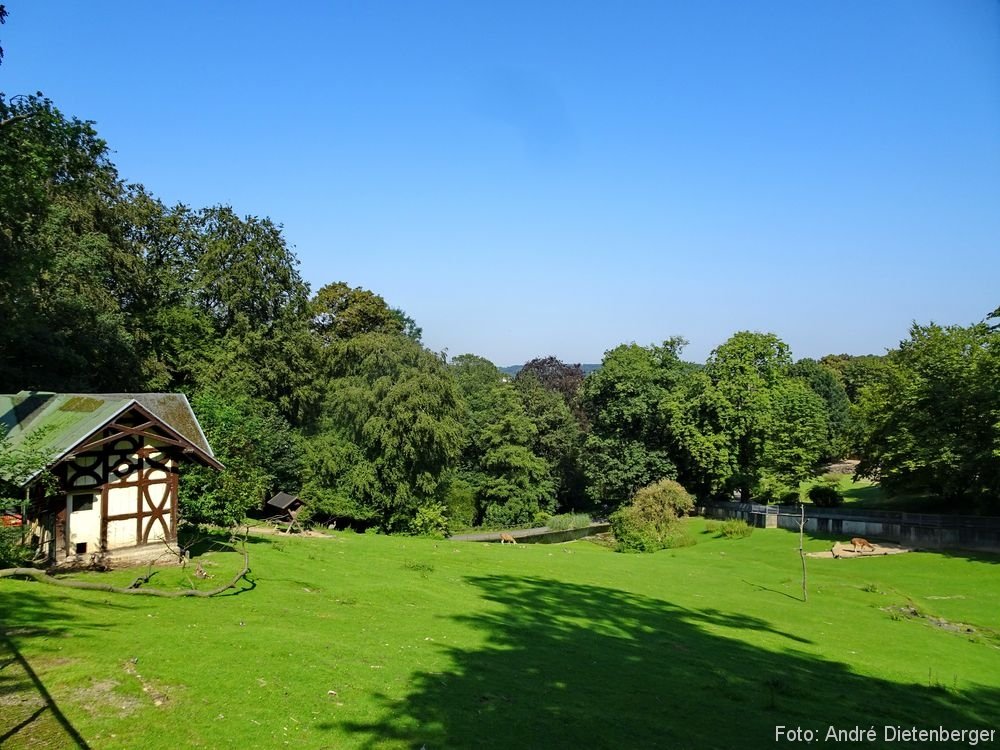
(81,548)
(83,502)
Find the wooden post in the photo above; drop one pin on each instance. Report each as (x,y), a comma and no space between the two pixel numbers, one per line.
(802,554)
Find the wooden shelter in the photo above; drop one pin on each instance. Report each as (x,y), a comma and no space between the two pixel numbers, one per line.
(285,507)
(115,459)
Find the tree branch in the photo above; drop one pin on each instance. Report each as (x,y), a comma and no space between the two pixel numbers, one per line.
(42,577)
(15,118)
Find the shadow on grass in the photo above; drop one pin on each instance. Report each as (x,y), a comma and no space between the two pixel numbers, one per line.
(567,665)
(197,541)
(29,716)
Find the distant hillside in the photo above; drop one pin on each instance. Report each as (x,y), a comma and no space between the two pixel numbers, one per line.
(515,369)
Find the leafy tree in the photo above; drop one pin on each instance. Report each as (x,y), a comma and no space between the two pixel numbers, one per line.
(825,384)
(69,282)
(394,410)
(340,312)
(798,437)
(744,371)
(558,438)
(512,483)
(559,377)
(931,423)
(17,464)
(743,424)
(338,478)
(257,447)
(630,444)
(854,372)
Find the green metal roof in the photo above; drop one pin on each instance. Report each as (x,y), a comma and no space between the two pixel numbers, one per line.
(55,423)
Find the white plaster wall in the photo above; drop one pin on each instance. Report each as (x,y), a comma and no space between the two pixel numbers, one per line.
(122,500)
(85,525)
(121,533)
(156,532)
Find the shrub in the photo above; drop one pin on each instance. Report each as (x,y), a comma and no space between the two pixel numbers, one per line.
(565,521)
(430,520)
(650,521)
(12,553)
(772,489)
(736,528)
(825,495)
(541,519)
(792,497)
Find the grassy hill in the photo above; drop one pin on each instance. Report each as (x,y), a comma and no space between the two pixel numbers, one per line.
(369,641)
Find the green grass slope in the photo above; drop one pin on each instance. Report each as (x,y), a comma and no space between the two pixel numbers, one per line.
(376,642)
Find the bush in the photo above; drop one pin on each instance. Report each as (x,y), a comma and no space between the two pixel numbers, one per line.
(825,496)
(650,521)
(774,490)
(736,528)
(792,497)
(12,553)
(430,520)
(566,521)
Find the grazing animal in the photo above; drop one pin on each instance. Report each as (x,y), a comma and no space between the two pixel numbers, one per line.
(862,543)
(507,539)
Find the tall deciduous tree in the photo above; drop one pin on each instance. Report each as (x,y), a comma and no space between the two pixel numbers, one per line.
(511,482)
(931,423)
(340,312)
(393,408)
(825,384)
(745,371)
(70,282)
(743,424)
(258,448)
(558,438)
(559,377)
(630,442)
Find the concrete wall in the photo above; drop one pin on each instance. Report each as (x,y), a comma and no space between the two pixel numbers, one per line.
(542,535)
(914,529)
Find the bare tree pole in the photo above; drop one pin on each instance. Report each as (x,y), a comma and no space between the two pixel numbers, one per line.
(802,554)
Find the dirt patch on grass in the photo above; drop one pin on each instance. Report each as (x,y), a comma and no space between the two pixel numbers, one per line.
(847,466)
(910,611)
(846,551)
(103,694)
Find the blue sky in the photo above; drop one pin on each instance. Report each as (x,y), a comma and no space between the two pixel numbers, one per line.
(541,178)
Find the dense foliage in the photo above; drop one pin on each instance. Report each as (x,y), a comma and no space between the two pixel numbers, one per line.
(930,423)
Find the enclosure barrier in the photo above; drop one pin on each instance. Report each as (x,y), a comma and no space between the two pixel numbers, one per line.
(926,530)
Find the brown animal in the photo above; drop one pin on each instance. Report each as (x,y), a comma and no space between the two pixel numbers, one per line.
(507,539)
(862,543)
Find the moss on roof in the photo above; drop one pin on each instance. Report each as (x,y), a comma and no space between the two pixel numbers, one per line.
(55,423)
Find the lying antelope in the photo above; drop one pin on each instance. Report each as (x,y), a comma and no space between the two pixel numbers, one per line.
(862,543)
(507,539)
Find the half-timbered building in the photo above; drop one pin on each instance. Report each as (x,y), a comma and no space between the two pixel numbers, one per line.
(114,461)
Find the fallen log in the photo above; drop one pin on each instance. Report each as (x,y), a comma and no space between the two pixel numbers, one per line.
(42,577)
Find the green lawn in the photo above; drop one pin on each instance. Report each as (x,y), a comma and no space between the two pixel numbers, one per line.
(368,641)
